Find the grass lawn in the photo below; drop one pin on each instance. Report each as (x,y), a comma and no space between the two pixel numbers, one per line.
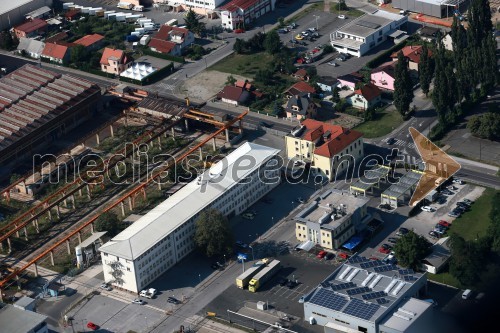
(445,278)
(349,12)
(476,221)
(385,121)
(243,64)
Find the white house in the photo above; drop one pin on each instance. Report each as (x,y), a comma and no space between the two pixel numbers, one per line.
(33,48)
(366,32)
(448,42)
(236,14)
(141,253)
(365,97)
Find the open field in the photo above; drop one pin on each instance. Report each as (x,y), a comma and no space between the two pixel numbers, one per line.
(243,64)
(384,122)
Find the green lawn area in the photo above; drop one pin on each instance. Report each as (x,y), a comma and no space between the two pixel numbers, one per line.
(384,122)
(476,221)
(349,12)
(445,278)
(243,64)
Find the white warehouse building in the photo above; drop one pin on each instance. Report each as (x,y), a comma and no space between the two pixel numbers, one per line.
(366,32)
(161,238)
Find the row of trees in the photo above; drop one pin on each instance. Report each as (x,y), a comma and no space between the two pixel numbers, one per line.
(269,42)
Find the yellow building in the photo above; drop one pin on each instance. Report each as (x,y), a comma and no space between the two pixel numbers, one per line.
(331,219)
(328,149)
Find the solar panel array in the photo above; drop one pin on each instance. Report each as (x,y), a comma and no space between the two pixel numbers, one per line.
(343,286)
(325,285)
(382,301)
(371,263)
(357,259)
(328,299)
(367,24)
(361,309)
(357,291)
(373,295)
(409,278)
(385,268)
(406,271)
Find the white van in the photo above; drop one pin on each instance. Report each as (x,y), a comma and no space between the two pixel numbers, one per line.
(467,294)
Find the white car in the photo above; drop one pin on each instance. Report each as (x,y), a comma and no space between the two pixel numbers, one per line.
(138,301)
(427,209)
(143,293)
(458,181)
(105,286)
(342,17)
(333,63)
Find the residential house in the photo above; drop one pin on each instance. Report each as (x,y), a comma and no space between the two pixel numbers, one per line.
(429,34)
(447,42)
(165,47)
(56,53)
(31,47)
(323,146)
(365,97)
(298,88)
(237,14)
(244,84)
(300,107)
(383,76)
(301,74)
(180,36)
(57,37)
(350,80)
(114,61)
(233,95)
(31,28)
(90,42)
(412,54)
(327,84)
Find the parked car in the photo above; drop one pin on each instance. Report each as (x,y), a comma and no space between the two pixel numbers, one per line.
(303,43)
(340,57)
(138,301)
(391,141)
(173,300)
(392,240)
(463,205)
(467,201)
(92,326)
(239,31)
(248,216)
(333,63)
(454,213)
(446,192)
(342,17)
(312,29)
(402,231)
(433,234)
(291,284)
(105,286)
(321,254)
(241,244)
(458,181)
(283,282)
(427,209)
(329,256)
(300,199)
(384,250)
(444,223)
(343,255)
(299,37)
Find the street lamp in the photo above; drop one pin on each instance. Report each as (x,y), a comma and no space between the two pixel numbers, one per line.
(225,261)
(199,276)
(253,257)
(316,17)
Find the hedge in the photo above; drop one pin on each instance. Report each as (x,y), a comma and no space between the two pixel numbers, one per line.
(163,56)
(385,56)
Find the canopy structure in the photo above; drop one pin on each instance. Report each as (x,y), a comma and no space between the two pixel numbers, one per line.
(353,242)
(370,180)
(138,71)
(398,193)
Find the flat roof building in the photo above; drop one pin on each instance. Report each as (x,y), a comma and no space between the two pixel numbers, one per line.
(366,32)
(16,320)
(331,218)
(369,296)
(436,8)
(154,243)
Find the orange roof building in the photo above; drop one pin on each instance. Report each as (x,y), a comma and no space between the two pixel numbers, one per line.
(56,53)
(90,41)
(300,87)
(412,54)
(328,149)
(31,28)
(114,61)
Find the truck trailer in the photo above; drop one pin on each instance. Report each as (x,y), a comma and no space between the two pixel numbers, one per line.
(125,5)
(264,275)
(245,277)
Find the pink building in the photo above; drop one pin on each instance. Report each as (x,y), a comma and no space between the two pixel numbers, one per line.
(383,76)
(350,80)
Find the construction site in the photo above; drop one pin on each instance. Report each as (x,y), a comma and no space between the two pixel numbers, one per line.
(124,166)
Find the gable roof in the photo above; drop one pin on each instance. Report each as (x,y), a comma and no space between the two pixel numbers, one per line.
(339,137)
(243,84)
(387,67)
(113,54)
(89,40)
(57,37)
(234,5)
(32,25)
(30,45)
(302,101)
(300,73)
(231,93)
(369,91)
(300,87)
(429,31)
(162,46)
(354,77)
(412,52)
(55,51)
(167,30)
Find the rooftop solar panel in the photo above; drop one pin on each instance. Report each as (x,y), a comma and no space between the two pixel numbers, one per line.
(328,299)
(360,309)
(367,24)
(357,291)
(382,301)
(373,295)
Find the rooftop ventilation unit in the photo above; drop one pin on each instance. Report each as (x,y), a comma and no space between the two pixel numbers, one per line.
(401,316)
(352,275)
(398,288)
(344,273)
(374,282)
(390,286)
(368,278)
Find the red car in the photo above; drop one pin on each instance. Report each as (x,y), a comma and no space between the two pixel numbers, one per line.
(444,223)
(92,326)
(321,254)
(343,255)
(301,60)
(315,50)
(239,31)
(384,250)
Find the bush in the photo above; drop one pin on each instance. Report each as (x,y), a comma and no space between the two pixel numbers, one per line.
(147,51)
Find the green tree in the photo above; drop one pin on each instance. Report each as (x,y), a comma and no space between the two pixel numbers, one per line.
(272,42)
(256,43)
(78,54)
(336,95)
(328,49)
(440,94)
(230,80)
(403,87)
(191,19)
(109,222)
(264,76)
(425,70)
(6,41)
(281,22)
(486,126)
(410,249)
(239,46)
(213,235)
(466,259)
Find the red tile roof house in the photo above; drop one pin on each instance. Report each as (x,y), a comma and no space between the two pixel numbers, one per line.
(165,47)
(301,74)
(325,147)
(233,95)
(412,54)
(114,61)
(56,53)
(244,84)
(179,36)
(90,42)
(31,28)
(365,97)
(298,88)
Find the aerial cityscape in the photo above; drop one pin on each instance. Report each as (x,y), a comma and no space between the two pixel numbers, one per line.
(232,166)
